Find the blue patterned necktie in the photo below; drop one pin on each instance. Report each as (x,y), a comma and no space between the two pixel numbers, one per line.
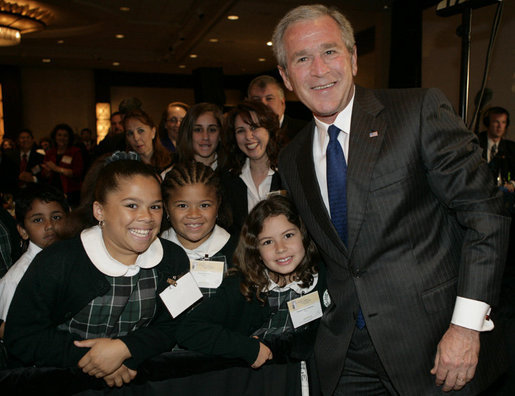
(336,168)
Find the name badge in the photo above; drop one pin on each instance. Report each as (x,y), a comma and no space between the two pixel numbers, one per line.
(208,274)
(182,295)
(284,193)
(305,309)
(66,159)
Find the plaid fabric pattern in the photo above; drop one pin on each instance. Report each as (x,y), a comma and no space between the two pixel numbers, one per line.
(280,321)
(129,305)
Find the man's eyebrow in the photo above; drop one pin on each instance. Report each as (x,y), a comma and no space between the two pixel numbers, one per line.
(300,53)
(328,45)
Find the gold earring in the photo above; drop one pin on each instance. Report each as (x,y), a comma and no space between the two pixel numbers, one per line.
(101,223)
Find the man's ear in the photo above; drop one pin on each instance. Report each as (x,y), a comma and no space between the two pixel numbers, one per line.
(354,60)
(98,211)
(23,232)
(284,74)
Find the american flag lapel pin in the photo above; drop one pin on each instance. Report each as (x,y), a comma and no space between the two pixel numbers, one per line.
(373,133)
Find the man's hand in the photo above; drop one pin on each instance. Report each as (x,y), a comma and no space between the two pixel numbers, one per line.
(264,354)
(120,376)
(26,177)
(105,356)
(456,358)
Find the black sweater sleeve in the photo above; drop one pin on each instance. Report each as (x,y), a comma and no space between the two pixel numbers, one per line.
(222,324)
(43,299)
(160,335)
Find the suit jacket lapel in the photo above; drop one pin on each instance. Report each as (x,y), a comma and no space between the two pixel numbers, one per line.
(366,137)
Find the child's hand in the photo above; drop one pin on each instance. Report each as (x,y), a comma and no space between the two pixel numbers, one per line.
(120,376)
(264,354)
(104,357)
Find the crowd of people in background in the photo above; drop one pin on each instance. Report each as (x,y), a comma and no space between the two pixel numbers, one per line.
(206,180)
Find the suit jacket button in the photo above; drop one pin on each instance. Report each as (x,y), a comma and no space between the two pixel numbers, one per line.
(356,273)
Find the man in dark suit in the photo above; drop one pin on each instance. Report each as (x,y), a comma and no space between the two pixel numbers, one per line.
(267,89)
(415,243)
(497,151)
(28,159)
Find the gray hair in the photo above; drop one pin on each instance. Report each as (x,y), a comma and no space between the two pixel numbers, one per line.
(264,80)
(304,13)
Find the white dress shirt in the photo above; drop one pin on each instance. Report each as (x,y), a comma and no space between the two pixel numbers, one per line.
(9,282)
(254,195)
(468,313)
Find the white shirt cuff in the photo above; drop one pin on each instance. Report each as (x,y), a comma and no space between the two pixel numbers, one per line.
(472,314)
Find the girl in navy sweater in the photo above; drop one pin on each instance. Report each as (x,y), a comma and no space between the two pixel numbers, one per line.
(256,313)
(93,300)
(193,201)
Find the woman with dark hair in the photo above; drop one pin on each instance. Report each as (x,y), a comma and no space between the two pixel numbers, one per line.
(200,136)
(63,165)
(140,132)
(170,123)
(250,137)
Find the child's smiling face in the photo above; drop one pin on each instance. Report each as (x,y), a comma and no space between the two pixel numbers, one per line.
(280,246)
(132,217)
(193,209)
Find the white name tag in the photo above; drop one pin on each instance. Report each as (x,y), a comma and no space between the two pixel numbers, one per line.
(305,309)
(66,159)
(181,296)
(208,274)
(284,193)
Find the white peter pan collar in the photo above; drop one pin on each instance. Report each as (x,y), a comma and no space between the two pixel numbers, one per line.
(211,246)
(97,252)
(295,286)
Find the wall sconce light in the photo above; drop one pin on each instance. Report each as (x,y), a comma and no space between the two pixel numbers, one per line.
(103,112)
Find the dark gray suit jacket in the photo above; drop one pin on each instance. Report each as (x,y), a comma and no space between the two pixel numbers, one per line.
(424,224)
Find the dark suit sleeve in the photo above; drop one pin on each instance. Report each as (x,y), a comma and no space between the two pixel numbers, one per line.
(461,181)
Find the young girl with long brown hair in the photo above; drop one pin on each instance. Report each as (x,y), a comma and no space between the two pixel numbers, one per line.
(256,313)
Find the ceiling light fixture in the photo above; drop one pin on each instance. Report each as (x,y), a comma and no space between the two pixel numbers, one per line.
(116,63)
(46,60)
(213,40)
(233,17)
(261,59)
(9,36)
(269,43)
(193,56)
(16,19)
(125,9)
(119,36)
